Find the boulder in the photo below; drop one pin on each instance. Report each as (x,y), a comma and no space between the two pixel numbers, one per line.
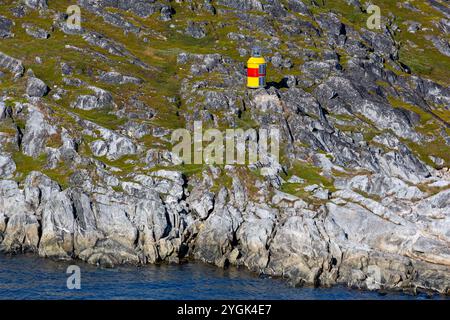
(36,87)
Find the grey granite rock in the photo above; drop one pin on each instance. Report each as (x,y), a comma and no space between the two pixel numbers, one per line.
(195,30)
(117,78)
(5,28)
(36,87)
(58,223)
(100,100)
(11,64)
(35,32)
(21,234)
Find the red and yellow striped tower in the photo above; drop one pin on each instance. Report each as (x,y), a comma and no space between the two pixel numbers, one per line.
(256,70)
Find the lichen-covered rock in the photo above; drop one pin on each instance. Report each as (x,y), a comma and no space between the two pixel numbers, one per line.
(214,242)
(140,7)
(2,226)
(298,6)
(153,225)
(11,198)
(19,226)
(379,185)
(369,232)
(5,111)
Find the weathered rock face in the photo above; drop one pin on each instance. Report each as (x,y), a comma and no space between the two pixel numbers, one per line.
(201,202)
(57,227)
(139,7)
(360,192)
(38,189)
(214,242)
(37,131)
(114,146)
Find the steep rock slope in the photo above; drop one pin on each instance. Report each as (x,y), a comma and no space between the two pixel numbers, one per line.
(360,195)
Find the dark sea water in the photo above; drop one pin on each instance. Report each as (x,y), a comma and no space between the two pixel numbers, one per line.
(30,277)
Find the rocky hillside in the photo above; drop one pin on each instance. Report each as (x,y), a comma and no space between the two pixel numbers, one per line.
(360,195)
